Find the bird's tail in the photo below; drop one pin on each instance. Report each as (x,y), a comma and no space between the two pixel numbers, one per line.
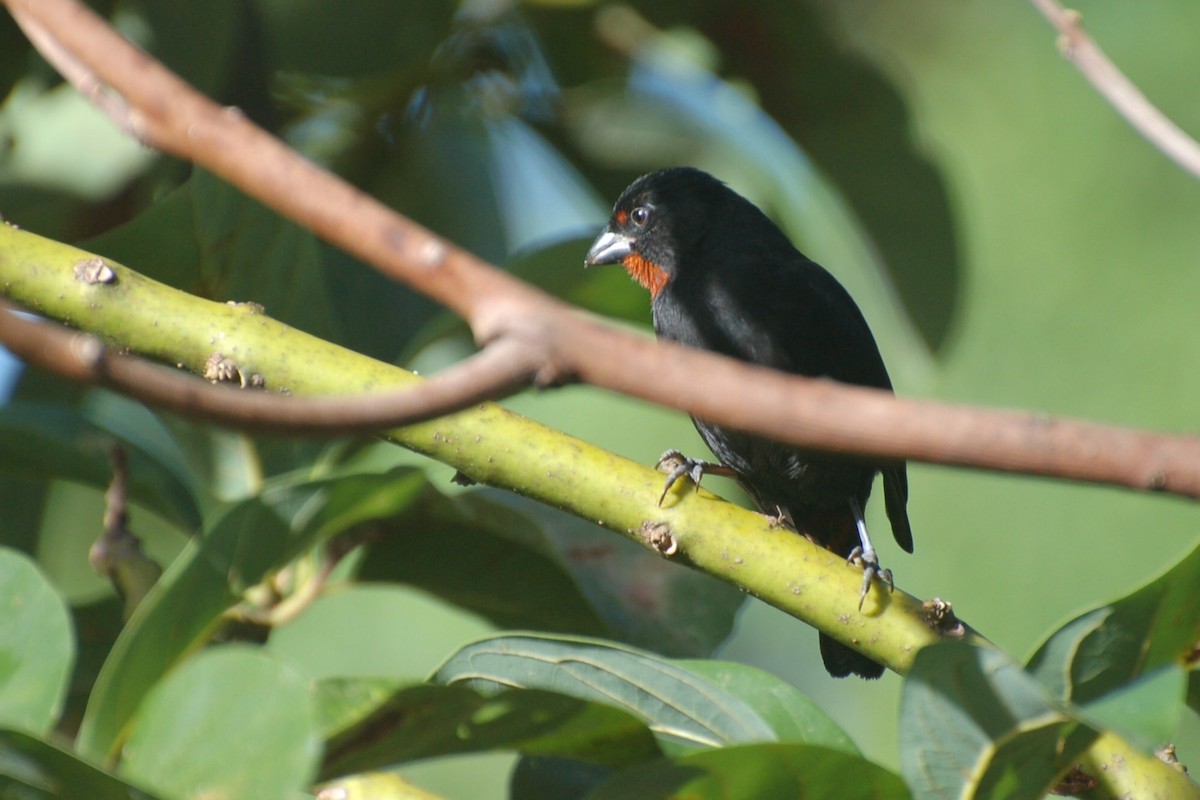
(841,661)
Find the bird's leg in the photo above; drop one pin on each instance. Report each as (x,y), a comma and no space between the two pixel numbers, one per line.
(864,555)
(681,466)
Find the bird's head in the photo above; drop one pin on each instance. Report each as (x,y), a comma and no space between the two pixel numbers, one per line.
(656,221)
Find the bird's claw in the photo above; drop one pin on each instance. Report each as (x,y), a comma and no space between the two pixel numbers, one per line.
(869,561)
(680,466)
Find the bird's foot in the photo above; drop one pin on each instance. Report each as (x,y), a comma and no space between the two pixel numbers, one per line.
(869,561)
(779,519)
(678,466)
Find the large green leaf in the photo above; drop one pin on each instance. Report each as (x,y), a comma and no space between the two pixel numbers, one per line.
(33,769)
(357,37)
(37,647)
(443,546)
(231,722)
(422,721)
(684,710)
(197,43)
(178,615)
(1146,711)
(239,548)
(563,699)
(642,600)
(1104,649)
(574,577)
(757,772)
(974,724)
(1125,663)
(792,716)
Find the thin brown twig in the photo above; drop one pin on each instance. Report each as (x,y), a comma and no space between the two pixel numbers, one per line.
(494,372)
(551,343)
(1120,92)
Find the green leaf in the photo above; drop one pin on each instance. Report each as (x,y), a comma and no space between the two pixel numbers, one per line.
(197,43)
(422,721)
(682,709)
(641,599)
(397,631)
(1102,650)
(757,772)
(548,778)
(46,442)
(59,140)
(489,549)
(575,577)
(342,703)
(231,722)
(32,768)
(37,647)
(1146,711)
(792,716)
(1052,664)
(178,615)
(240,547)
(356,37)
(974,724)
(97,626)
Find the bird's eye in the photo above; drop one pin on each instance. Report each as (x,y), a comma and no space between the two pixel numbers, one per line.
(640,216)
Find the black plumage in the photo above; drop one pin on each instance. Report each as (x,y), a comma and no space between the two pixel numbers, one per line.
(725,278)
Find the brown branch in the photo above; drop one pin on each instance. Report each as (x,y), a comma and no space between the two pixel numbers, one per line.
(1120,92)
(495,372)
(76,72)
(557,344)
(168,114)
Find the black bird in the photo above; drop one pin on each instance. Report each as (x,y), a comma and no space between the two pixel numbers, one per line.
(723,277)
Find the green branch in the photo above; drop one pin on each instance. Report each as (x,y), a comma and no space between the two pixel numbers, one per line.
(488,443)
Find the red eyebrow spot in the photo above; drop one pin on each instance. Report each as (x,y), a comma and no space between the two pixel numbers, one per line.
(622,217)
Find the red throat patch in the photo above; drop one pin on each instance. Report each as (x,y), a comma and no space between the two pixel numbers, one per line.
(647,273)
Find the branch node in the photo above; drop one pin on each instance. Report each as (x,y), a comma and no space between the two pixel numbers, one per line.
(939,616)
(1156,481)
(1071,29)
(1074,783)
(92,271)
(659,537)
(219,369)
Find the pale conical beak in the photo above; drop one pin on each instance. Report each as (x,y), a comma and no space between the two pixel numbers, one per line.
(609,248)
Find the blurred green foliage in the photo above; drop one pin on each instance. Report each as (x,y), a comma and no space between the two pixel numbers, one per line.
(1011,240)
